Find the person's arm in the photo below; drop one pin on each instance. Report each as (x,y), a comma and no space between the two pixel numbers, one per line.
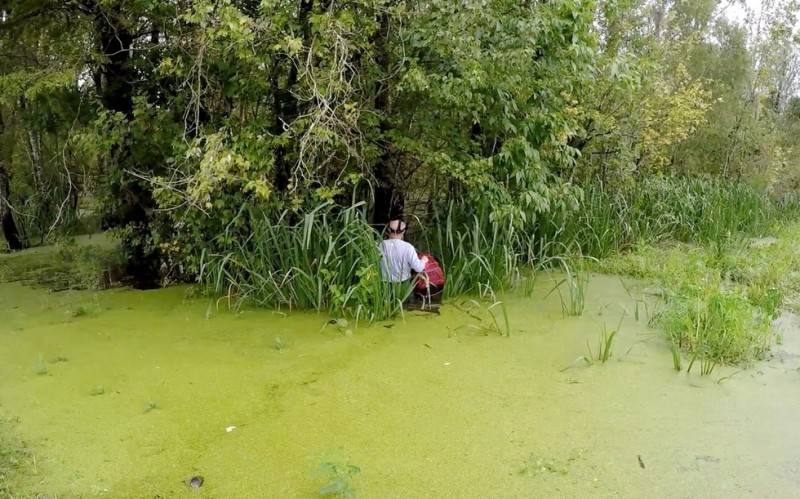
(416,263)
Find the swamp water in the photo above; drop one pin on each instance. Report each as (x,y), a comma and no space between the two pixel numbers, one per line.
(131,393)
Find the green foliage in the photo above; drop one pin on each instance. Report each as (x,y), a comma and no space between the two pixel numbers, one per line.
(718,306)
(605,344)
(519,134)
(14,459)
(326,260)
(435,66)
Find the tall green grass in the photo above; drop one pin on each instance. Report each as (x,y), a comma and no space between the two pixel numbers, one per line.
(325,260)
(708,212)
(476,253)
(479,252)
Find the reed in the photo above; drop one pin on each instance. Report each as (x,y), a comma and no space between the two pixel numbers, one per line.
(326,259)
(506,329)
(605,345)
(476,252)
(676,357)
(653,209)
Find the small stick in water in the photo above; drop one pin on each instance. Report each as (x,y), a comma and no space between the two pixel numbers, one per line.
(641,462)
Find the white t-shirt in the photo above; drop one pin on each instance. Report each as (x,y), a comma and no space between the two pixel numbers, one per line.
(398,258)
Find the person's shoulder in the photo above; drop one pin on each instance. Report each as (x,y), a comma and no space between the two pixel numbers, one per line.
(398,245)
(406,245)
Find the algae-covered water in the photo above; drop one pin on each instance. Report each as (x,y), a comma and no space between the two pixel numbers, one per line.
(128,393)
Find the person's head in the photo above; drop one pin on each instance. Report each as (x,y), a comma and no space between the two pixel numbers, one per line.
(396,228)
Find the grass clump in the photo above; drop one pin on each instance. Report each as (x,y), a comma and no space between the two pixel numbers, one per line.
(718,303)
(476,251)
(13,459)
(715,323)
(676,357)
(605,344)
(338,480)
(69,264)
(486,318)
(325,260)
(576,280)
(538,465)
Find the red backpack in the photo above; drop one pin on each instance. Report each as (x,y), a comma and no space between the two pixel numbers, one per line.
(434,272)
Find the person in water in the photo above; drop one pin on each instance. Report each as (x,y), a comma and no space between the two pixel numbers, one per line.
(399,258)
(429,285)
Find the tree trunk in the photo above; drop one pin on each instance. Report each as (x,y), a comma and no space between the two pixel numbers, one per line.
(389,199)
(116,75)
(14,239)
(9,227)
(285,106)
(133,197)
(35,151)
(37,167)
(33,145)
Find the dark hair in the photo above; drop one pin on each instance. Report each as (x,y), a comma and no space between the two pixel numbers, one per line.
(401,226)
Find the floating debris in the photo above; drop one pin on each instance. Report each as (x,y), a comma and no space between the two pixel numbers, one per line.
(195,482)
(641,462)
(230,428)
(39,367)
